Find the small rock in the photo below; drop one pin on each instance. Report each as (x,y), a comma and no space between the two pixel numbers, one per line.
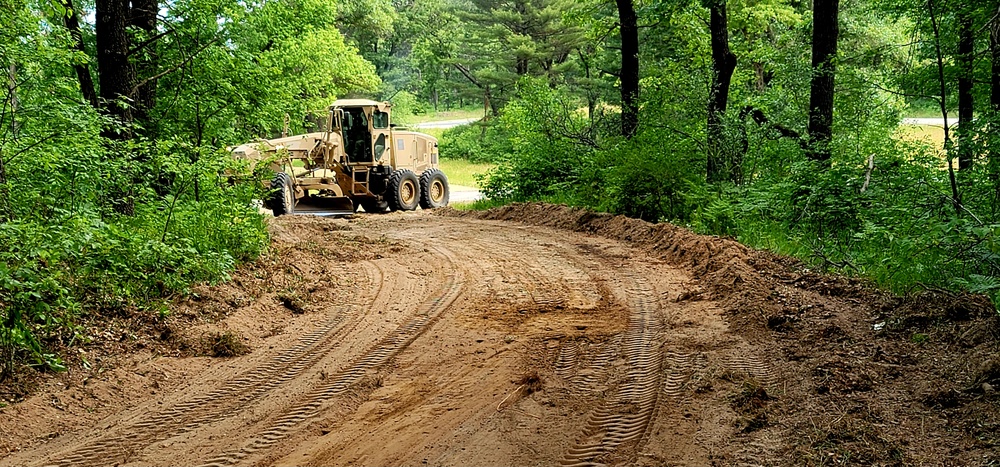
(988,388)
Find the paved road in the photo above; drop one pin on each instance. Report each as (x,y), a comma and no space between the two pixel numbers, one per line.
(445,123)
(929,121)
(464,194)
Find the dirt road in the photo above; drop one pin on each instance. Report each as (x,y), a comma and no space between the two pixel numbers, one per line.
(412,339)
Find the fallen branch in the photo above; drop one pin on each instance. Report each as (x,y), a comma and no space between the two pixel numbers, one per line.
(515,391)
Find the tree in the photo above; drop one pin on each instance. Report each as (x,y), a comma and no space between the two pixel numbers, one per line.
(966,109)
(144,42)
(723,65)
(994,135)
(956,198)
(71,19)
(116,73)
(826,32)
(504,41)
(630,67)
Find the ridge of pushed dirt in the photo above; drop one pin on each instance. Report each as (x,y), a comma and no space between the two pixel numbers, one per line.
(868,378)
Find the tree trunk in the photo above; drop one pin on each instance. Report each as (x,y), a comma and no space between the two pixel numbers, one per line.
(71,19)
(630,67)
(521,66)
(995,60)
(966,54)
(723,65)
(115,73)
(146,61)
(12,96)
(956,198)
(994,133)
(116,78)
(826,32)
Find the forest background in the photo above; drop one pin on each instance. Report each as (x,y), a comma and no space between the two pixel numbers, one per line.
(776,122)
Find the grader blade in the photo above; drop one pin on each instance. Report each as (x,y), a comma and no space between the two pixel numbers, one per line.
(325,206)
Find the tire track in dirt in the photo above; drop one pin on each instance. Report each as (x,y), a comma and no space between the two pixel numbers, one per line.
(505,285)
(427,312)
(584,369)
(233,396)
(756,368)
(652,376)
(678,368)
(574,289)
(626,417)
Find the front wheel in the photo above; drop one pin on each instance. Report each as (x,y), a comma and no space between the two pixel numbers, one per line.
(282,194)
(403,190)
(434,189)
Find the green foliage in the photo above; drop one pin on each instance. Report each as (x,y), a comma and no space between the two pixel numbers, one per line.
(404,107)
(902,231)
(256,67)
(64,249)
(631,179)
(543,133)
(546,147)
(63,256)
(894,223)
(480,142)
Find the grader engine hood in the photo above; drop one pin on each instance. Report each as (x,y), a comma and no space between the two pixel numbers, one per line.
(299,146)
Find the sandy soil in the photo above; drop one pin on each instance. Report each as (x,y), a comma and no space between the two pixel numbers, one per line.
(527,335)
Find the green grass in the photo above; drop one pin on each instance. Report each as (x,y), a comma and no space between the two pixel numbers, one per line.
(462,172)
(480,205)
(435,132)
(914,112)
(925,108)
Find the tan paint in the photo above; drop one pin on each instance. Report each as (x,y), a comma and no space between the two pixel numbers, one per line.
(322,164)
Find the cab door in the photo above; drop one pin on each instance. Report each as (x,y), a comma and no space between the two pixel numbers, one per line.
(381,137)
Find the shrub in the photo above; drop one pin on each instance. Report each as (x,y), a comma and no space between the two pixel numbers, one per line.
(61,255)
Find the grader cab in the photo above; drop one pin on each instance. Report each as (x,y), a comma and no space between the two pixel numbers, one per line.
(359,161)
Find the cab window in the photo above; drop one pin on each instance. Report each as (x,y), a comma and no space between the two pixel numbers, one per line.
(380,120)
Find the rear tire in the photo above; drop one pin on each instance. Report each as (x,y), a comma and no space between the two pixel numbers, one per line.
(282,195)
(434,191)
(403,190)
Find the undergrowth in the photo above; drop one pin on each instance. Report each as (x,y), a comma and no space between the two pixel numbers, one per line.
(895,224)
(66,255)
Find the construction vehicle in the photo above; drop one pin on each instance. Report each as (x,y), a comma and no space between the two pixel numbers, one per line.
(361,160)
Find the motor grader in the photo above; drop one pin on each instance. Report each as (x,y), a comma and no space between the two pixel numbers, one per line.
(361,160)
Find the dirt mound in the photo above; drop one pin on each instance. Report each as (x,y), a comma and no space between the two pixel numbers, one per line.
(869,378)
(724,266)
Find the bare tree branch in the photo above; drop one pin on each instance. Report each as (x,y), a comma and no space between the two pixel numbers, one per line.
(149,41)
(173,68)
(465,71)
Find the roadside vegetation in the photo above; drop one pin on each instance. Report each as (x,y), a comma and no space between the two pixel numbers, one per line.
(117,192)
(463,173)
(874,199)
